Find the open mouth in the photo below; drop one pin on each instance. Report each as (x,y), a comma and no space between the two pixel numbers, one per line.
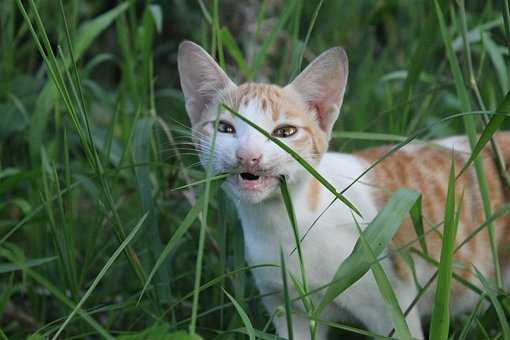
(248,181)
(247,176)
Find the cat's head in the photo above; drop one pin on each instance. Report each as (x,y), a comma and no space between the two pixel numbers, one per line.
(300,114)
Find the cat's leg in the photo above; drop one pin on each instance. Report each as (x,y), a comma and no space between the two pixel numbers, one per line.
(366,304)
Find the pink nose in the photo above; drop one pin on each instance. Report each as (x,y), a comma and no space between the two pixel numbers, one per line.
(248,158)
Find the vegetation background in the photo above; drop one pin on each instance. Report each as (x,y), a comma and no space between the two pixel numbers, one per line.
(93,143)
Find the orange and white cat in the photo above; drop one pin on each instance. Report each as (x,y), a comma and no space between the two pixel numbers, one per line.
(302,115)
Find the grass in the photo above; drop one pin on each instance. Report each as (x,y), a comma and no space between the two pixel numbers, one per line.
(92,145)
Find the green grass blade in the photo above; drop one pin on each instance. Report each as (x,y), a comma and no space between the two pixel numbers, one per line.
(203,227)
(286,297)
(234,50)
(246,320)
(503,321)
(295,230)
(378,234)
(440,323)
(470,127)
(9,267)
(174,240)
(494,124)
(299,62)
(264,49)
(102,273)
(57,293)
(368,136)
(386,290)
(469,323)
(417,218)
(308,167)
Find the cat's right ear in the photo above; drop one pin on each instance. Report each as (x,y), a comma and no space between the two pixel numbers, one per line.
(202,79)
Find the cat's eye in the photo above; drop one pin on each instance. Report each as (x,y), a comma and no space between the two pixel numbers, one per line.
(225,127)
(284,131)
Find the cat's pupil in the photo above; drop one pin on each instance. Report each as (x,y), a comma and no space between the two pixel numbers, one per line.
(284,131)
(225,127)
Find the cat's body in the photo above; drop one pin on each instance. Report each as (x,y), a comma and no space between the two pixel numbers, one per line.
(302,115)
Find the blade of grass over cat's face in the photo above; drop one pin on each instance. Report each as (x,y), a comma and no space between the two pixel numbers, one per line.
(378,234)
(308,167)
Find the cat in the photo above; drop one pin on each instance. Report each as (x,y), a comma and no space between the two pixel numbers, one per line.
(301,115)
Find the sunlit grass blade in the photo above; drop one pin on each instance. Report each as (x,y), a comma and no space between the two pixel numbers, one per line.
(386,290)
(440,323)
(246,320)
(378,234)
(368,136)
(102,273)
(308,167)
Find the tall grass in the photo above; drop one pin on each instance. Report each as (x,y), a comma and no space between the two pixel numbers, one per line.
(94,239)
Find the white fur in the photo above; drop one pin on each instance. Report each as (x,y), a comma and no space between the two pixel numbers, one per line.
(266,228)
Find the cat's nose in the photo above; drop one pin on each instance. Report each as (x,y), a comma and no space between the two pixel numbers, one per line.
(248,158)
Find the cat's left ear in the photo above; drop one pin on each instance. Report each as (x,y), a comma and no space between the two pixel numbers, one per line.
(322,85)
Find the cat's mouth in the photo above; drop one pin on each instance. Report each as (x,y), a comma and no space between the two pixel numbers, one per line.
(248,176)
(249,181)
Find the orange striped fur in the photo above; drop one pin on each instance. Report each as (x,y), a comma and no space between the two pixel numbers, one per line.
(426,170)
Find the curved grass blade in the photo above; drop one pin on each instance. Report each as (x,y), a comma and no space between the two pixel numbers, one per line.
(102,273)
(494,124)
(378,234)
(386,290)
(243,315)
(308,167)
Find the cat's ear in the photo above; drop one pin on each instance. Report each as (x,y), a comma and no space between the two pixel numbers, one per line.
(322,85)
(202,79)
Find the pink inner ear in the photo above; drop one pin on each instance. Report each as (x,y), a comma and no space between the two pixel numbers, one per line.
(322,110)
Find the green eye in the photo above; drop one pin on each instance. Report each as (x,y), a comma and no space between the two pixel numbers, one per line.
(284,131)
(225,127)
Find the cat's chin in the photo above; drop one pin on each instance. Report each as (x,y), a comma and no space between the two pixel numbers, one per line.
(251,190)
